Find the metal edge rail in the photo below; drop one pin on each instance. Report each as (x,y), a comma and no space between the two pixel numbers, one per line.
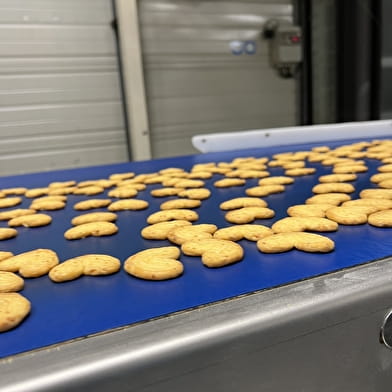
(148,353)
(240,140)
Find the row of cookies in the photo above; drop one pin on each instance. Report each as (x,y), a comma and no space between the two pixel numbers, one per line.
(176,174)
(215,251)
(13,306)
(238,167)
(125,180)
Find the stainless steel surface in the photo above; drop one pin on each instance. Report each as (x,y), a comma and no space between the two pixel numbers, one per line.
(214,142)
(386,330)
(60,98)
(196,84)
(319,335)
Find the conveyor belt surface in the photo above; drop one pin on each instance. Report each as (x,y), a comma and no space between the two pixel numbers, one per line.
(90,305)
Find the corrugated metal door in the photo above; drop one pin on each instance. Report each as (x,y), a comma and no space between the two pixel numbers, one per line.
(195,80)
(60,96)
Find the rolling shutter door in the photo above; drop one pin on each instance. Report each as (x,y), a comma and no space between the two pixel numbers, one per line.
(60,95)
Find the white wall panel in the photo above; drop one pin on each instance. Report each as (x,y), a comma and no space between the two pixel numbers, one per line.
(195,84)
(60,95)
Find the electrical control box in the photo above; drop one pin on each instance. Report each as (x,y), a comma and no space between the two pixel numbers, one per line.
(285,46)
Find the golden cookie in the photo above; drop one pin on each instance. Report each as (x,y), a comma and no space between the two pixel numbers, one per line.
(203,166)
(175,214)
(247,173)
(334,178)
(91,265)
(68,270)
(51,198)
(376,178)
(157,179)
(13,309)
(219,170)
(135,185)
(214,253)
(376,194)
(61,191)
(387,184)
(385,168)
(171,181)
(321,149)
(307,242)
(121,176)
(318,157)
(241,160)
(94,229)
(309,210)
(88,183)
(294,224)
(94,217)
(6,233)
(381,218)
(264,190)
(304,171)
(328,198)
(155,264)
(34,220)
(31,264)
(128,204)
(180,203)
(36,192)
(62,184)
(123,192)
(276,180)
(91,204)
(239,232)
(196,193)
(49,205)
(188,183)
(248,214)
(349,169)
(171,170)
(164,192)
(14,191)
(89,190)
(229,182)
(356,215)
(141,178)
(5,255)
(259,169)
(333,187)
(10,282)
(293,165)
(277,163)
(160,231)
(106,183)
(6,215)
(202,175)
(357,154)
(10,202)
(179,235)
(380,204)
(342,162)
(240,202)
(95,264)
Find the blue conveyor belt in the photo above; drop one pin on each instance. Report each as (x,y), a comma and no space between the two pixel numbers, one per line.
(89,305)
